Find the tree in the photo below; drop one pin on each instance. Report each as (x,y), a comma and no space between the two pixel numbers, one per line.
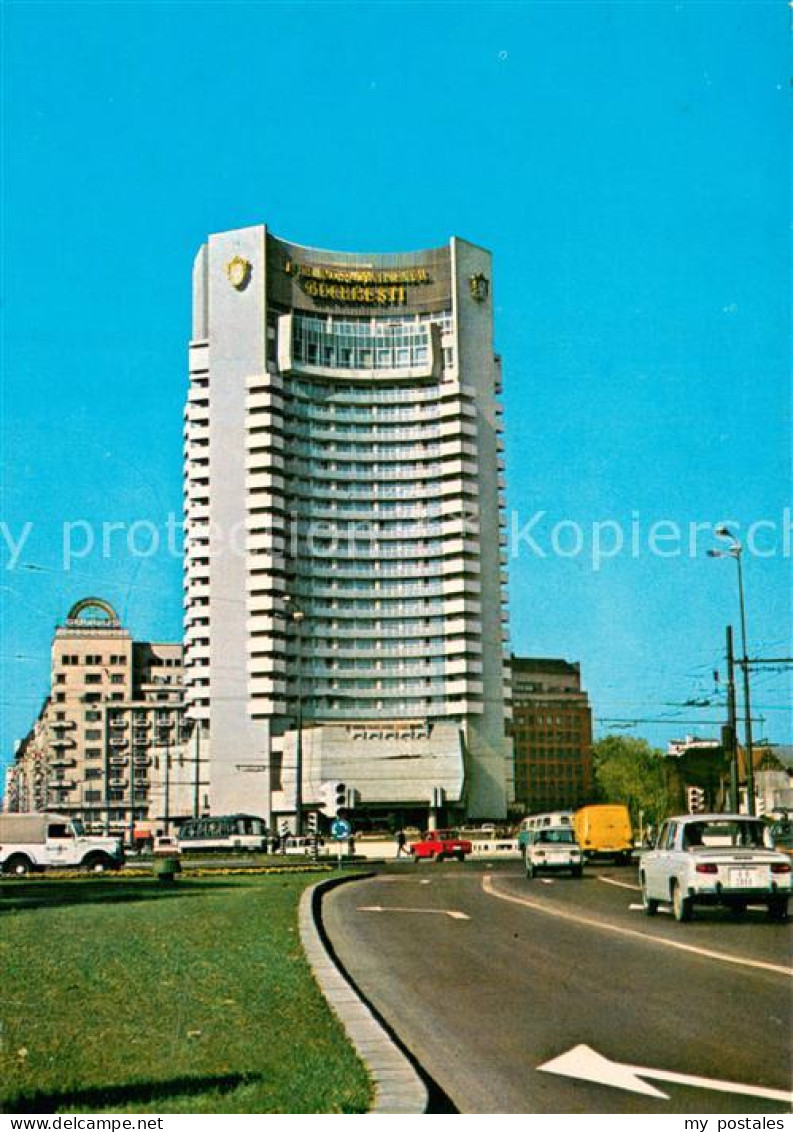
(631,772)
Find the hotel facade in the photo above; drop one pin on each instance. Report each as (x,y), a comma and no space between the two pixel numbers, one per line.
(345,569)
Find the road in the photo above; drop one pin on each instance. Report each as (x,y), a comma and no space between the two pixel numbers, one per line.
(486,977)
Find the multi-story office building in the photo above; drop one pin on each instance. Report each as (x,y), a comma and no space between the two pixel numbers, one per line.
(345,566)
(552,735)
(109,745)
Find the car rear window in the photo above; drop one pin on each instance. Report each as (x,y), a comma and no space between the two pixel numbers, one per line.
(555,836)
(724,834)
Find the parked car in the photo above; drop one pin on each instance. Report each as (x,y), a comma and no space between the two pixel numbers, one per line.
(714,859)
(438,844)
(551,850)
(166,847)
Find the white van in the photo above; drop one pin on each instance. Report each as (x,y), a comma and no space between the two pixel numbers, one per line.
(31,842)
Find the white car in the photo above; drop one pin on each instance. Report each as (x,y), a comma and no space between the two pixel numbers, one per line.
(552,849)
(714,859)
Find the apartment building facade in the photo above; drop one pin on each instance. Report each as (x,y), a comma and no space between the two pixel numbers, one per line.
(552,735)
(110,745)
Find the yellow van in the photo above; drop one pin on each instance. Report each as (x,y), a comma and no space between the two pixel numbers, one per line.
(604,831)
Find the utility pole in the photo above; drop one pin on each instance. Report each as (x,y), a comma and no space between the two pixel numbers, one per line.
(298,619)
(735,551)
(730,732)
(106,751)
(749,752)
(197,781)
(167,806)
(132,756)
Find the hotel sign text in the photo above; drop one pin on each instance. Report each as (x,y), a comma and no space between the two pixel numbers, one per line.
(356,285)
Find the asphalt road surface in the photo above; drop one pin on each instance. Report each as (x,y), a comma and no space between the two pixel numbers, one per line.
(487,977)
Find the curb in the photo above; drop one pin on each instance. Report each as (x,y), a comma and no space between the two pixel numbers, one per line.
(398,1087)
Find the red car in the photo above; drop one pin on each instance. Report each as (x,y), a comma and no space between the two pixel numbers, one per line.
(438,844)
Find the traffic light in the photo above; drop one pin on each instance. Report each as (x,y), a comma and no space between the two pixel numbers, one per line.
(695,797)
(334,798)
(312,822)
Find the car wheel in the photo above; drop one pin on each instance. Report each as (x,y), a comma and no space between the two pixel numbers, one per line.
(98,863)
(681,905)
(18,866)
(650,906)
(530,870)
(778,910)
(460,856)
(577,871)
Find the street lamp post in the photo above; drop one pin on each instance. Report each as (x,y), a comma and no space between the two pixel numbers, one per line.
(167,806)
(735,551)
(298,617)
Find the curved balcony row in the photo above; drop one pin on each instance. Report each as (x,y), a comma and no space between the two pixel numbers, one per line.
(274,627)
(302,429)
(334,396)
(452,466)
(300,491)
(373,451)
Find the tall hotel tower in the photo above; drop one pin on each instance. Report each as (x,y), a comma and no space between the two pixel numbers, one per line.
(346,564)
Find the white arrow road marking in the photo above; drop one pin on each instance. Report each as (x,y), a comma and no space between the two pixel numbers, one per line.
(426,911)
(587,1064)
(645,937)
(545,880)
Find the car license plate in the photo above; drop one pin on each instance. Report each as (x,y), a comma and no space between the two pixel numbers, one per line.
(746,878)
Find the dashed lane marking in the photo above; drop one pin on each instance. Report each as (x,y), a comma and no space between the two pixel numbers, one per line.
(621,884)
(616,929)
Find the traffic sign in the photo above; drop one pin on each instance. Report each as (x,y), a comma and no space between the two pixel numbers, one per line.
(340,829)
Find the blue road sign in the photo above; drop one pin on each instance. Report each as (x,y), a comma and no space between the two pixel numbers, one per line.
(340,829)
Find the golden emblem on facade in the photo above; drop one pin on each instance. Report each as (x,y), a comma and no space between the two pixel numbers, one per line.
(238,271)
(479,286)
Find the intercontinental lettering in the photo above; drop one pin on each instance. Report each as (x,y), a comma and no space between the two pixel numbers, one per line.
(352,285)
(342,293)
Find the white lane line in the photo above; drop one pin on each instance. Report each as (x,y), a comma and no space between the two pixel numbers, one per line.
(585,1064)
(422,911)
(621,884)
(704,952)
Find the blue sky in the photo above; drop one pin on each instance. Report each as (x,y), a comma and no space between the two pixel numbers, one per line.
(627,165)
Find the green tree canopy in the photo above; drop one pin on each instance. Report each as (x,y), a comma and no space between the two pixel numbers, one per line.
(630,771)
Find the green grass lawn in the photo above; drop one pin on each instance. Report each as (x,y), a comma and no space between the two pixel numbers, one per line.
(125,995)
